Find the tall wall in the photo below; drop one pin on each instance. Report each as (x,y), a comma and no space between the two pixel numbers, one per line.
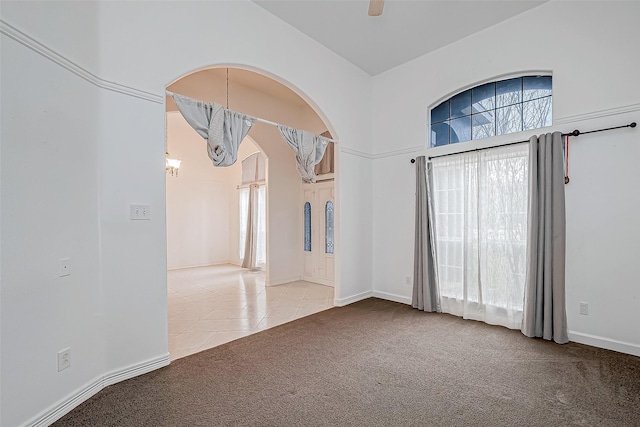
(202,201)
(50,179)
(83,136)
(198,201)
(591,50)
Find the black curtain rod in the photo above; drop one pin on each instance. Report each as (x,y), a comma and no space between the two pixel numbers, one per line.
(574,133)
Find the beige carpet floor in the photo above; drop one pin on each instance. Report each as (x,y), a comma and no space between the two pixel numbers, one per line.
(378,363)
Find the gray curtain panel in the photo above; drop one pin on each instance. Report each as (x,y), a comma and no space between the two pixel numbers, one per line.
(249,260)
(425,287)
(223,129)
(309,149)
(544,301)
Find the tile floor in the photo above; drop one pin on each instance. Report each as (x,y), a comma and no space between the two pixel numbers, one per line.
(209,306)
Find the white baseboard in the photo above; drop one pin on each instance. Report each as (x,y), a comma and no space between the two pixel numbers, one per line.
(607,343)
(392,297)
(354,298)
(282,281)
(64,406)
(200,265)
(322,282)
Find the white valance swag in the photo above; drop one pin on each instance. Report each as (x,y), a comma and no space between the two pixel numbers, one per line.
(223,129)
(309,149)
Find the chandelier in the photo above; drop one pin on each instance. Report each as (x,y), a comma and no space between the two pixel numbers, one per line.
(172,165)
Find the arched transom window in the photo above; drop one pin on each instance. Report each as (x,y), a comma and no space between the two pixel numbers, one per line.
(491,109)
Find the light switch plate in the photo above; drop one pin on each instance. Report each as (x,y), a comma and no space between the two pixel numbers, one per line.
(140,212)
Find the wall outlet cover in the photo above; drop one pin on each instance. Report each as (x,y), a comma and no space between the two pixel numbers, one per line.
(584,308)
(64,359)
(64,267)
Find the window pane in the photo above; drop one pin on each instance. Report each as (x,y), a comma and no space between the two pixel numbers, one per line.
(440,113)
(508,92)
(461,104)
(307,227)
(484,125)
(509,119)
(537,113)
(328,231)
(460,129)
(440,134)
(483,97)
(536,87)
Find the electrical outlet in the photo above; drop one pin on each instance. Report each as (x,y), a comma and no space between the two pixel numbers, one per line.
(407,280)
(140,212)
(64,359)
(64,267)
(584,308)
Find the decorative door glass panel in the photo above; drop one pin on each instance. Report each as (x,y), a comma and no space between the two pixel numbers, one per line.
(328,227)
(307,227)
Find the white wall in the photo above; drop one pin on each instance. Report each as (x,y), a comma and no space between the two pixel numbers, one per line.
(133,253)
(75,154)
(50,175)
(591,50)
(202,201)
(198,201)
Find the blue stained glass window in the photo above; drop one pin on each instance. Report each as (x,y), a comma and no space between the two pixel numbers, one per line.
(307,227)
(328,230)
(494,108)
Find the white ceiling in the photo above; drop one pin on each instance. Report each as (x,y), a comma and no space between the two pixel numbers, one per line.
(406,30)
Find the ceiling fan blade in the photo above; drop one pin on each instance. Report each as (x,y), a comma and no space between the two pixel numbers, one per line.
(375,7)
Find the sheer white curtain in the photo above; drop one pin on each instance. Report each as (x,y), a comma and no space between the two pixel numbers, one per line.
(480,220)
(244,213)
(261,228)
(254,222)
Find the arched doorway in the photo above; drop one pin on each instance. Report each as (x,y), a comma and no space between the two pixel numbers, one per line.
(211,304)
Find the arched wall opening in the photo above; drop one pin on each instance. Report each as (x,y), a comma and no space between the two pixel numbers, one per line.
(261,96)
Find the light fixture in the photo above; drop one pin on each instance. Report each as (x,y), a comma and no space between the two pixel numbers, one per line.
(172,165)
